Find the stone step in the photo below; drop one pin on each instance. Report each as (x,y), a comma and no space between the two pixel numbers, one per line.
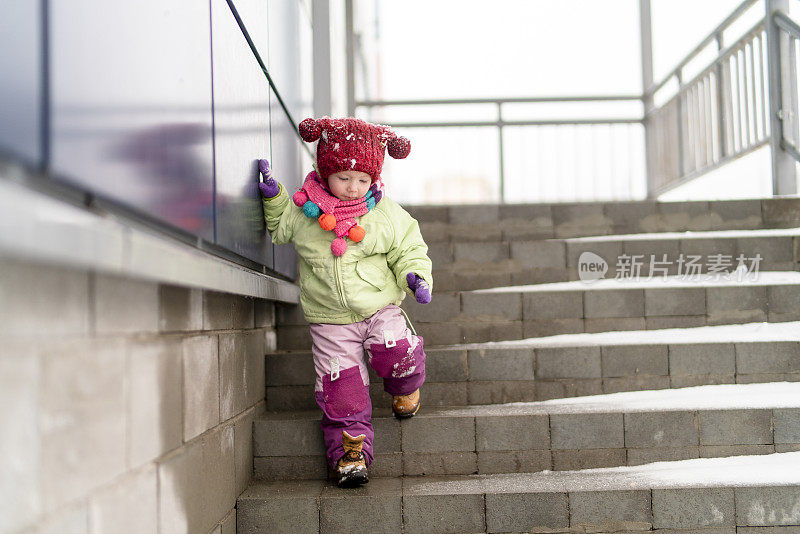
(541,221)
(719,495)
(572,365)
(468,265)
(508,313)
(584,432)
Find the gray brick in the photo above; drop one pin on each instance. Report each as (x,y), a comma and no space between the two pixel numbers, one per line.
(512,433)
(552,305)
(289,369)
(734,304)
(470,280)
(773,249)
(466,232)
(219,476)
(181,491)
(446,366)
(568,362)
(652,249)
(659,323)
(551,327)
(615,324)
(725,451)
(473,214)
(274,507)
(243,449)
(439,434)
(736,214)
(434,231)
(767,530)
(706,246)
(702,359)
(680,216)
(768,357)
(440,253)
(517,512)
(128,507)
(439,333)
(661,454)
(501,364)
(507,306)
(287,437)
(530,461)
(635,383)
(293,338)
(180,308)
(389,464)
(630,217)
(122,305)
(565,388)
(587,431)
(264,313)
(597,507)
(527,213)
(627,360)
(423,514)
(289,314)
(500,330)
(540,254)
(282,398)
(444,393)
(241,372)
(480,252)
(787,425)
(500,391)
(387,435)
(155,403)
(784,299)
(781,212)
(429,213)
(375,507)
(684,381)
(443,307)
(440,463)
(675,301)
(201,385)
(574,220)
(660,429)
(693,508)
(767,506)
(571,460)
(614,303)
(735,427)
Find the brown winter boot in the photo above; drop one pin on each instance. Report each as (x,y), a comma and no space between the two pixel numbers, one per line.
(405,406)
(352,467)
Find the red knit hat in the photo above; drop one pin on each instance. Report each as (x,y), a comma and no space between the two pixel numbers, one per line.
(352,145)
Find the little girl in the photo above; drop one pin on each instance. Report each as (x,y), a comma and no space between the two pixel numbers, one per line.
(358,252)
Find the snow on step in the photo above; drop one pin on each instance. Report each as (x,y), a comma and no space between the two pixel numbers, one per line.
(762,279)
(734,333)
(737,471)
(711,234)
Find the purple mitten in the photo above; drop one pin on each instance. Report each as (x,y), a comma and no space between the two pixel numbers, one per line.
(269,187)
(421,289)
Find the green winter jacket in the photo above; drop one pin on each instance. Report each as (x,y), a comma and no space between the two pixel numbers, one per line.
(369,276)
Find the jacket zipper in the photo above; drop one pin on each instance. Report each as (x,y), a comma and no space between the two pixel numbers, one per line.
(337,269)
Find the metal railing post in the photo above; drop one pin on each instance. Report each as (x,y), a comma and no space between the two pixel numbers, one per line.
(500,153)
(721,137)
(350,52)
(783,165)
(645,33)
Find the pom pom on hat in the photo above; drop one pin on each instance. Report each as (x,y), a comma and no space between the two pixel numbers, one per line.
(310,130)
(398,147)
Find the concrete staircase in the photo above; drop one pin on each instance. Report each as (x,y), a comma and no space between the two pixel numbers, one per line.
(548,399)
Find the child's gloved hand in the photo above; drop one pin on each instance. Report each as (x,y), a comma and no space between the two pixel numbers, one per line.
(269,187)
(421,289)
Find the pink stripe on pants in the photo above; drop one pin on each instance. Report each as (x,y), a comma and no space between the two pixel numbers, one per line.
(341,354)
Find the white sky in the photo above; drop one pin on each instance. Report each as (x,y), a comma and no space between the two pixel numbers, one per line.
(510,48)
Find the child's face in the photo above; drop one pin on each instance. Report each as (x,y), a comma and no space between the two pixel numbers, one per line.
(349,185)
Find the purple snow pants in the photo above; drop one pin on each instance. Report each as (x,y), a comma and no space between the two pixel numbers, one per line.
(341,352)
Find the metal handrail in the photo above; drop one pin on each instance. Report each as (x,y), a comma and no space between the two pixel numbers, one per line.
(786,24)
(711,37)
(525,100)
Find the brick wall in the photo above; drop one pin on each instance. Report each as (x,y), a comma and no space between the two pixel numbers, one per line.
(127,405)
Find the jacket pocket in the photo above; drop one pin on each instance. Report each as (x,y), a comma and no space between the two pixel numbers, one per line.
(373,274)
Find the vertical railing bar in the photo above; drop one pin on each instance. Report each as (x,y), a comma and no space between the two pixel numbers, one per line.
(753,91)
(612,158)
(720,99)
(502,163)
(764,89)
(793,122)
(740,104)
(746,107)
(710,119)
(698,125)
(679,102)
